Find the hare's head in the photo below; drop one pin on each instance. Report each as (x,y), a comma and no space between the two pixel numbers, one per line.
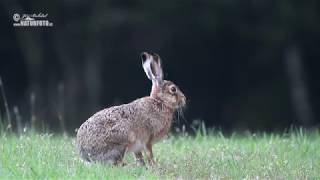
(163,90)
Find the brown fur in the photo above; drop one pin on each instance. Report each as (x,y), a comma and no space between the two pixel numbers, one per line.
(133,127)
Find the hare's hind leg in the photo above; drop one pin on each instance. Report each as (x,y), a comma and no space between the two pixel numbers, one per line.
(112,156)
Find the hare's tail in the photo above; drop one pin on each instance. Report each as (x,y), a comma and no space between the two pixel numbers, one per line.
(84,155)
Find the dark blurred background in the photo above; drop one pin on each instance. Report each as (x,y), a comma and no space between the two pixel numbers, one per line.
(242,64)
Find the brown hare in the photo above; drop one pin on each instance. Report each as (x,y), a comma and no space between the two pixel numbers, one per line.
(110,133)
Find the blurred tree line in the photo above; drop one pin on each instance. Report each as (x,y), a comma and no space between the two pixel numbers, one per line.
(242,64)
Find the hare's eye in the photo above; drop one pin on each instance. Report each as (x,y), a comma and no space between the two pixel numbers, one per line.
(173,89)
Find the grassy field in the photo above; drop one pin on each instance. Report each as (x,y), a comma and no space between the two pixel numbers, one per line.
(289,156)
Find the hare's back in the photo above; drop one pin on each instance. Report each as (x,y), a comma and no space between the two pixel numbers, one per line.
(107,125)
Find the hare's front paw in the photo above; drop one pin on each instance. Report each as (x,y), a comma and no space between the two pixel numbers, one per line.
(140,162)
(120,163)
(139,159)
(152,162)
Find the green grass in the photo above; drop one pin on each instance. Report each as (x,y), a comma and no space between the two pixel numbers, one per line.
(290,156)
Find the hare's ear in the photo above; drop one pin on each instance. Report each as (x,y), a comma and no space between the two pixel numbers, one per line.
(152,67)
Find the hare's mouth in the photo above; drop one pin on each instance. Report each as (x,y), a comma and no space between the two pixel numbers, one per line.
(182,103)
(180,114)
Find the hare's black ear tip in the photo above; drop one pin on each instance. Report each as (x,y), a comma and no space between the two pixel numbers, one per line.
(154,54)
(144,56)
